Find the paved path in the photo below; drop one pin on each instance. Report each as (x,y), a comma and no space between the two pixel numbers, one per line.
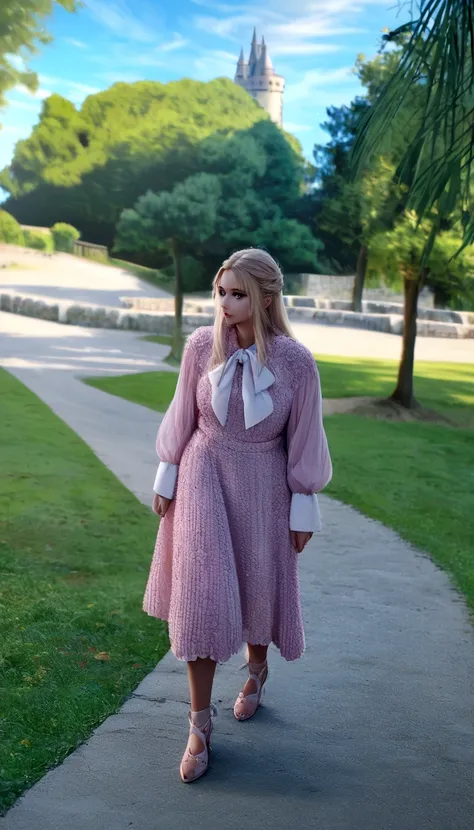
(65,277)
(371,730)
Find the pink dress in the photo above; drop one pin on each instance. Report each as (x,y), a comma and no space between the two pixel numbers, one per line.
(224,571)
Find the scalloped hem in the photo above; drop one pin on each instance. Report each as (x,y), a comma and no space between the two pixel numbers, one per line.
(289,657)
(190,659)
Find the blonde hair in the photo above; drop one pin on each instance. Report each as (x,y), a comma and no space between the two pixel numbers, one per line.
(257,274)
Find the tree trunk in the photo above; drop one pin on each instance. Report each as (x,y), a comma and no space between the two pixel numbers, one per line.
(440,297)
(361,271)
(403,393)
(178,339)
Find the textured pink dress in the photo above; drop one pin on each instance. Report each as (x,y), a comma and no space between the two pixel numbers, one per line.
(224,571)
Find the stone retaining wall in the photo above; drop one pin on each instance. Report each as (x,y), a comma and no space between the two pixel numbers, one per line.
(339,287)
(464,318)
(161,321)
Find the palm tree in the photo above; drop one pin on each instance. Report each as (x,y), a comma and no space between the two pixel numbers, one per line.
(436,166)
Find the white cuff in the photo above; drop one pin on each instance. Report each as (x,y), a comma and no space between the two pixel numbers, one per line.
(304,513)
(165,480)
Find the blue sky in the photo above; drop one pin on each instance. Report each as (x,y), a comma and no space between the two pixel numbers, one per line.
(312,43)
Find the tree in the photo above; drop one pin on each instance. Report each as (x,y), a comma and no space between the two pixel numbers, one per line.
(261,180)
(351,212)
(21,30)
(85,167)
(358,212)
(399,252)
(185,217)
(436,165)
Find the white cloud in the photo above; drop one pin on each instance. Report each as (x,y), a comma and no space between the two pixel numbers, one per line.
(17,62)
(316,78)
(224,26)
(40,93)
(85,88)
(290,127)
(153,58)
(290,29)
(300,48)
(178,42)
(119,18)
(23,105)
(74,90)
(10,129)
(114,77)
(77,43)
(214,64)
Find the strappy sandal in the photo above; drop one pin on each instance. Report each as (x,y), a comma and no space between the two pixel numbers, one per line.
(246,705)
(193,766)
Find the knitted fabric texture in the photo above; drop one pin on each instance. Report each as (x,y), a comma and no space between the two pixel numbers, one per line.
(224,571)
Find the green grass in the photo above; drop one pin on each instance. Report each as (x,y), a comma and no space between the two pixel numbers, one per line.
(417,478)
(75,550)
(152,389)
(154,277)
(162,339)
(447,388)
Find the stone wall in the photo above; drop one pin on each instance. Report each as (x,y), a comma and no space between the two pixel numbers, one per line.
(330,287)
(340,288)
(307,309)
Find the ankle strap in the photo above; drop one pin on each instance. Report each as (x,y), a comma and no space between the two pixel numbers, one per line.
(212,714)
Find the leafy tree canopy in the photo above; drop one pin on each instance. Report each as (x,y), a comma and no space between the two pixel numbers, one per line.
(85,167)
(249,200)
(21,30)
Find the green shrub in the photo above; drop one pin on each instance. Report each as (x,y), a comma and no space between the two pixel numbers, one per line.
(10,230)
(39,240)
(64,237)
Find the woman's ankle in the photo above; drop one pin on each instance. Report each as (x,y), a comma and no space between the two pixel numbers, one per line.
(257,668)
(201,717)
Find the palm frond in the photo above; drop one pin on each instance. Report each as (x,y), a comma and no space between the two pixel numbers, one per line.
(439,60)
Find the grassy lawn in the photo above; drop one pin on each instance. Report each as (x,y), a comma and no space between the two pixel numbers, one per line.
(75,549)
(150,275)
(447,388)
(417,478)
(162,339)
(152,389)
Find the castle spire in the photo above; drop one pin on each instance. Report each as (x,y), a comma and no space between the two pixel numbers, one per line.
(241,66)
(260,80)
(253,52)
(264,65)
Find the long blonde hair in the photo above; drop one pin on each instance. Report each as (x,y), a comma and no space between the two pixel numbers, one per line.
(257,274)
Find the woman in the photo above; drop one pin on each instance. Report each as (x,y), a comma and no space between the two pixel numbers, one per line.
(242,453)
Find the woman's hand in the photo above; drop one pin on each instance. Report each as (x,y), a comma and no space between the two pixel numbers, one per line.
(299,538)
(160,505)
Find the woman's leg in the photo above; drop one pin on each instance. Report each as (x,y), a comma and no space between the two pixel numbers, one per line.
(201,676)
(257,656)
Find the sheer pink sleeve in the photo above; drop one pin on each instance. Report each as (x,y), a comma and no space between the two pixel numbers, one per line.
(309,466)
(178,423)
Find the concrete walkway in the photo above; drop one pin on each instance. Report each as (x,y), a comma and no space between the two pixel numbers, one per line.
(371,730)
(65,277)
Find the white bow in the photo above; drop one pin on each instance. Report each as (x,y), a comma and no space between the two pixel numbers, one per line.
(256,379)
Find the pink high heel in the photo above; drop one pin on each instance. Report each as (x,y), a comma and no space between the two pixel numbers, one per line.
(246,705)
(193,766)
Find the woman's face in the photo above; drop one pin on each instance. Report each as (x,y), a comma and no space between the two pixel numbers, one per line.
(235,304)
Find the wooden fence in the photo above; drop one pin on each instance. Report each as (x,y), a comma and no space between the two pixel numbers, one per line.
(91,251)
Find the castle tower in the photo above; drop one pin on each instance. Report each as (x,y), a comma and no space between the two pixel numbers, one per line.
(260,80)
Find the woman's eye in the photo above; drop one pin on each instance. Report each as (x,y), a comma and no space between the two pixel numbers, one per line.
(236,294)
